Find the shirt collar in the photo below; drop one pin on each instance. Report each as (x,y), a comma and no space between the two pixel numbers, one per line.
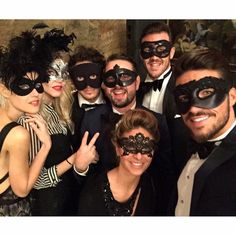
(99,100)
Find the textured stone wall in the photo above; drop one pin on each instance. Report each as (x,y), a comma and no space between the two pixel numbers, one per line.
(108,36)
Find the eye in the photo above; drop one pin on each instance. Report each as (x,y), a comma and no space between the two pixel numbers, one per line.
(52,72)
(24,86)
(93,76)
(183,98)
(80,78)
(124,77)
(161,48)
(38,85)
(147,49)
(110,79)
(205,93)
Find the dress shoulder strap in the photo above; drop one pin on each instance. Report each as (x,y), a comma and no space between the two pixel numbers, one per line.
(6,129)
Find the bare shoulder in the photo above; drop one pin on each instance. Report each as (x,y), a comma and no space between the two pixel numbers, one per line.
(17,136)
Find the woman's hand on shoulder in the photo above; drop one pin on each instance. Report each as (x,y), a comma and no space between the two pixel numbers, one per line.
(39,125)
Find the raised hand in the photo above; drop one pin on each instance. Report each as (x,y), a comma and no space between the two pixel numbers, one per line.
(39,125)
(87,153)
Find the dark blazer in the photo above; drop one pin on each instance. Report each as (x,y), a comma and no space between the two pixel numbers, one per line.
(77,117)
(102,120)
(179,134)
(214,191)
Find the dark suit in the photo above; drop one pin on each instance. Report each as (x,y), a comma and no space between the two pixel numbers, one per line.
(103,120)
(214,191)
(178,132)
(77,117)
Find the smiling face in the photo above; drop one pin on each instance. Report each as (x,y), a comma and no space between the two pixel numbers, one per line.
(208,123)
(155,65)
(135,162)
(121,96)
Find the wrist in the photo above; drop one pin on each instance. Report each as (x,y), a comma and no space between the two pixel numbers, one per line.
(81,172)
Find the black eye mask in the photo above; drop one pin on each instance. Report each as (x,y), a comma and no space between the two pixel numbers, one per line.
(119,76)
(23,86)
(137,144)
(87,74)
(208,92)
(159,48)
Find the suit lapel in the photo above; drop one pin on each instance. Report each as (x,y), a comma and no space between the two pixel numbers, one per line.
(225,151)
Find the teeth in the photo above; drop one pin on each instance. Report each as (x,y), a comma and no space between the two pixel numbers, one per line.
(200,119)
(118,92)
(136,163)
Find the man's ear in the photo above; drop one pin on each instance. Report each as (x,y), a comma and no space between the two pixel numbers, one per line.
(5,92)
(172,52)
(137,82)
(232,96)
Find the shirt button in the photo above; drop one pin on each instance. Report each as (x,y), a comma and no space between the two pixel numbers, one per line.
(188,177)
(182,201)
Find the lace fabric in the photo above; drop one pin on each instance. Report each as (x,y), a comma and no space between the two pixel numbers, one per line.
(115,208)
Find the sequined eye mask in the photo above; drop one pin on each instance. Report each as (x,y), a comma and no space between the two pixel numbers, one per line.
(58,70)
(137,144)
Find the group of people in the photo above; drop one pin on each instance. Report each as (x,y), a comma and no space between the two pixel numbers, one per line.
(84,135)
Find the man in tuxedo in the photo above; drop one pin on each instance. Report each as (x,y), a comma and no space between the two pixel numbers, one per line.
(205,97)
(85,67)
(156,91)
(120,83)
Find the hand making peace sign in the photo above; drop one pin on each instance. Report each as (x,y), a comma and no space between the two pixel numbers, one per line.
(87,153)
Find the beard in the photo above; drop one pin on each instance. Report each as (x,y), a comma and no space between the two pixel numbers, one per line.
(125,102)
(219,124)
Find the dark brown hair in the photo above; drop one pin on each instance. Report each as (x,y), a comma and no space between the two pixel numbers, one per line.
(135,119)
(203,59)
(156,27)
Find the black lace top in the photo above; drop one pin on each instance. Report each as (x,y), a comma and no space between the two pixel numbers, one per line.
(115,208)
(96,198)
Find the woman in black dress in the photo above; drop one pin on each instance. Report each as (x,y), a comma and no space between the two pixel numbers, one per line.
(126,190)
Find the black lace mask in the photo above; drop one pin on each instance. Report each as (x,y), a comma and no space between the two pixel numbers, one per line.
(137,144)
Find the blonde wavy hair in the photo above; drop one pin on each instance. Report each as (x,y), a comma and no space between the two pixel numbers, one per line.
(62,104)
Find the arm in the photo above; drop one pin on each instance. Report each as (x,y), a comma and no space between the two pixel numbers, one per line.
(48,177)
(22,176)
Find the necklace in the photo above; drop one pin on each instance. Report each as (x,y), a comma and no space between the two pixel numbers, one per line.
(115,208)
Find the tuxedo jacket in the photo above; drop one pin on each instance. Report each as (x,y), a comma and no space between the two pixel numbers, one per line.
(214,187)
(102,120)
(77,117)
(179,133)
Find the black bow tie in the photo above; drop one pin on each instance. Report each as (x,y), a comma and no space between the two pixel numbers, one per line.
(156,84)
(203,149)
(86,106)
